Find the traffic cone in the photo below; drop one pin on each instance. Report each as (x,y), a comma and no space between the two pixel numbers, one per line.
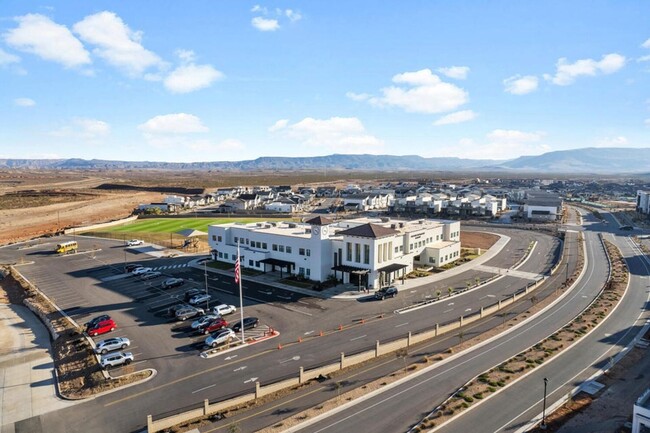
(279,346)
(299,339)
(340,327)
(320,333)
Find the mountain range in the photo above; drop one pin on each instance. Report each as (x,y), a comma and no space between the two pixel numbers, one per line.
(588,160)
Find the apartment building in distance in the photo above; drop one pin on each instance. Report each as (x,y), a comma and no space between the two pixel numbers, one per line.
(368,252)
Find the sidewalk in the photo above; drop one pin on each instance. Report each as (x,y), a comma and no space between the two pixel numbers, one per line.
(350,291)
(26,368)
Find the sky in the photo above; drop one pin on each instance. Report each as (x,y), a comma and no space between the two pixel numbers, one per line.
(234,80)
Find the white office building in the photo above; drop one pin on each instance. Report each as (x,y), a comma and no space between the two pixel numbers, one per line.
(368,252)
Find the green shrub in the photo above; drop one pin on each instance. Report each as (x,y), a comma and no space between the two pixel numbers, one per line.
(478,395)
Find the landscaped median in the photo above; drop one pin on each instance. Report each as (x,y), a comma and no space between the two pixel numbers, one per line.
(77,369)
(489,382)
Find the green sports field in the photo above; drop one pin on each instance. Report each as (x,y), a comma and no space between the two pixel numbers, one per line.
(173,225)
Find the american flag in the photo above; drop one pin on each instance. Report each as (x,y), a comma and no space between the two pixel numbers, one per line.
(237,270)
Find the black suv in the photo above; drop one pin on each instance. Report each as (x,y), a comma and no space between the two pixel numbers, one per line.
(191,293)
(386,292)
(95,320)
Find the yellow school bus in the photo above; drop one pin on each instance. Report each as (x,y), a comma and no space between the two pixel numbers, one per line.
(67,247)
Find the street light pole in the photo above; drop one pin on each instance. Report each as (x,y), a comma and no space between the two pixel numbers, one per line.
(543,424)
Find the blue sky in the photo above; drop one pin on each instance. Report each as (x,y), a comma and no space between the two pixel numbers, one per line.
(233,80)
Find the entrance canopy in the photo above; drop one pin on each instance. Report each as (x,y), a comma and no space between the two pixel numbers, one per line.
(350,269)
(277,262)
(392,268)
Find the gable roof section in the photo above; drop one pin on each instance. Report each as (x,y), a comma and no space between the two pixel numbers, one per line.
(319,221)
(369,231)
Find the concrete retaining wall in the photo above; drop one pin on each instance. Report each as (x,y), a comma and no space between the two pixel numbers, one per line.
(277,386)
(393,346)
(28,303)
(173,420)
(315,372)
(77,230)
(358,358)
(223,405)
(423,336)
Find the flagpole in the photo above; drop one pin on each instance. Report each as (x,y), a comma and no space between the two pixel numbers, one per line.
(241,297)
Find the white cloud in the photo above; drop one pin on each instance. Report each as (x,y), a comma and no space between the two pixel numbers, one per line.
(178,123)
(186,56)
(423,92)
(566,73)
(293,15)
(265,24)
(619,141)
(457,117)
(499,144)
(188,78)
(280,124)
(646,44)
(643,58)
(358,96)
(340,134)
(518,85)
(260,9)
(83,128)
(24,102)
(39,35)
(456,72)
(7,59)
(116,43)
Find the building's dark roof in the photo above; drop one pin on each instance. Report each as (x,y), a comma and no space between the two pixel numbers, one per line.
(248,196)
(369,231)
(350,269)
(358,196)
(319,221)
(278,262)
(392,268)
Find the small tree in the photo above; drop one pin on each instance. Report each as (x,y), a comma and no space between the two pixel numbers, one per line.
(450,290)
(438,294)
(461,335)
(234,428)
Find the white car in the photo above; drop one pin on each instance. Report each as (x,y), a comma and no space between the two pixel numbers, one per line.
(150,275)
(116,359)
(140,271)
(204,321)
(111,344)
(220,337)
(224,309)
(134,242)
(199,299)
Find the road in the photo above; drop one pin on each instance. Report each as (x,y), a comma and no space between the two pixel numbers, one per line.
(90,282)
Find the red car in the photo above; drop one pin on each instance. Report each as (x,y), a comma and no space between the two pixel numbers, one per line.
(102,327)
(215,325)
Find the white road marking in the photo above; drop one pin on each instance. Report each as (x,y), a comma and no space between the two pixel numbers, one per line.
(447,311)
(243,367)
(252,379)
(401,324)
(284,297)
(309,332)
(204,388)
(228,358)
(295,358)
(357,338)
(450,304)
(468,309)
(303,302)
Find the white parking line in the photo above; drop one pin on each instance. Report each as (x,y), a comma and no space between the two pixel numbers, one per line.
(303,302)
(358,338)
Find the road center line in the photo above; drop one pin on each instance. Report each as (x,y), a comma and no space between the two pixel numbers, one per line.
(358,338)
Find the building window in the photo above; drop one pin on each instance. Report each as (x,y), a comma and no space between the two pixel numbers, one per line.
(219,239)
(396,249)
(275,247)
(281,248)
(257,264)
(236,239)
(432,260)
(348,246)
(250,263)
(401,247)
(308,272)
(214,237)
(301,271)
(288,249)
(220,255)
(366,254)
(247,241)
(308,252)
(264,246)
(301,251)
(416,258)
(357,253)
(379,258)
(234,256)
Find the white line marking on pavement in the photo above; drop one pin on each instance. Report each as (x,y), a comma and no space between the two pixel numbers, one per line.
(309,332)
(298,311)
(451,303)
(358,338)
(243,367)
(252,379)
(401,324)
(447,311)
(203,389)
(468,309)
(303,302)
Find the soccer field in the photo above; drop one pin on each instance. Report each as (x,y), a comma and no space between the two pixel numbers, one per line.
(173,225)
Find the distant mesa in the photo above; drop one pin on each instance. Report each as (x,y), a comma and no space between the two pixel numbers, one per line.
(588,160)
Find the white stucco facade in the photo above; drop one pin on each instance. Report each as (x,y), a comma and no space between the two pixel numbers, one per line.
(370,252)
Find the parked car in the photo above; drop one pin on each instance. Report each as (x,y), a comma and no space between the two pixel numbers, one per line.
(150,275)
(224,309)
(188,312)
(172,282)
(215,325)
(204,321)
(249,323)
(386,292)
(134,242)
(111,344)
(131,267)
(141,270)
(116,359)
(200,299)
(191,293)
(220,337)
(101,327)
(171,311)
(95,320)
